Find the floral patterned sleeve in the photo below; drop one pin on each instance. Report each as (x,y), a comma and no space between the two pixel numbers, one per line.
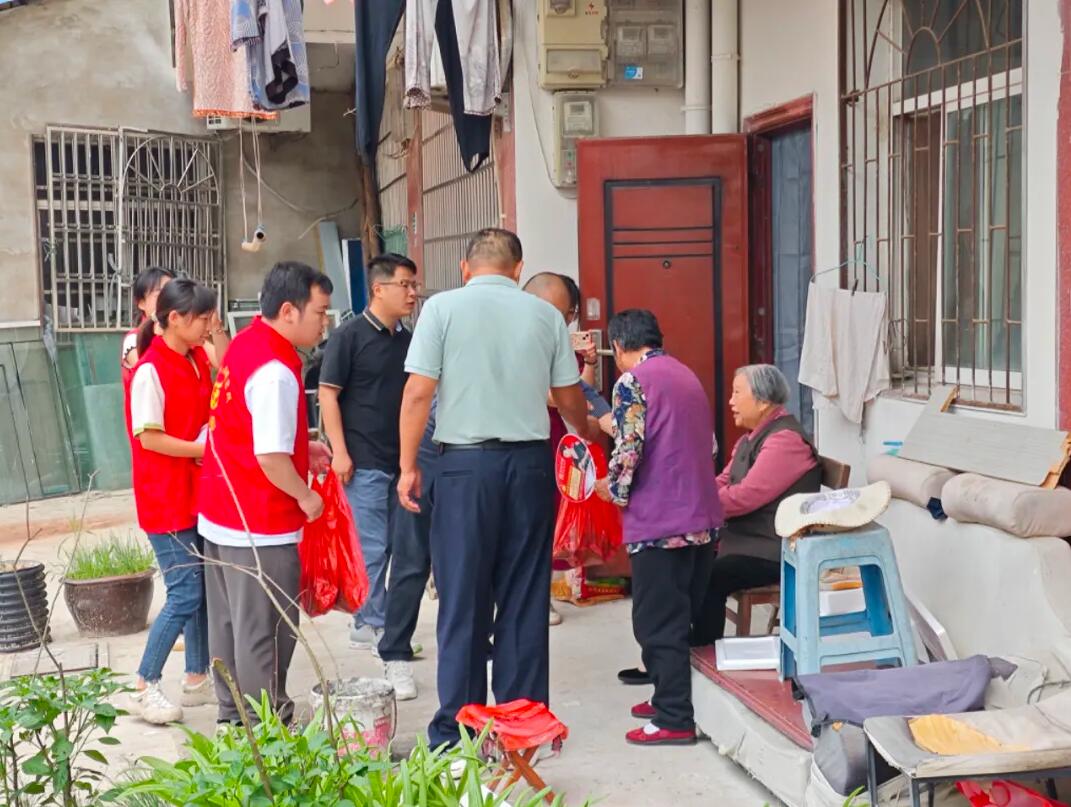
(630,416)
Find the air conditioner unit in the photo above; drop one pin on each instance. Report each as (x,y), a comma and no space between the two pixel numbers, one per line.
(298,119)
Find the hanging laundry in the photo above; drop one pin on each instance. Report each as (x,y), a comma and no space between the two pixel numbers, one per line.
(375,24)
(473,131)
(476,24)
(419,39)
(845,358)
(204,57)
(476,28)
(272,34)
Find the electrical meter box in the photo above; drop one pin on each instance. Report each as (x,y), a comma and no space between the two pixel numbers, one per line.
(647,43)
(572,43)
(574,117)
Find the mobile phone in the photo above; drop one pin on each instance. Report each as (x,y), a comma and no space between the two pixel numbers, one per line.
(582,340)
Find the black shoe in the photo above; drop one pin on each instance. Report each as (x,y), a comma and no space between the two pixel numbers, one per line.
(634,677)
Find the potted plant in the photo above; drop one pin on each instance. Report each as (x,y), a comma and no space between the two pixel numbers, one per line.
(23,606)
(108,586)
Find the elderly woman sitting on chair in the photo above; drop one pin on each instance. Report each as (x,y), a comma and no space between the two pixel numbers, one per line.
(773,461)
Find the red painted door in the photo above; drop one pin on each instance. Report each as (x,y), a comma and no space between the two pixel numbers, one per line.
(663,226)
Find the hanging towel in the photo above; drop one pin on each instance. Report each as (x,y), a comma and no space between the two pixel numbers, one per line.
(476,25)
(845,359)
(273,36)
(473,131)
(205,58)
(375,24)
(419,40)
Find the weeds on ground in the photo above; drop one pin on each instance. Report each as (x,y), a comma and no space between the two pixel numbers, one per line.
(111,557)
(50,730)
(267,764)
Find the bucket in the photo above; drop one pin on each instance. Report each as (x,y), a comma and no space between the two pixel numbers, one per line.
(369,702)
(23,607)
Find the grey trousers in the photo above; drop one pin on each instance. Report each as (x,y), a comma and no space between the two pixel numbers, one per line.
(244,628)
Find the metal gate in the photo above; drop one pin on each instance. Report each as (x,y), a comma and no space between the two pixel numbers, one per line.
(112,202)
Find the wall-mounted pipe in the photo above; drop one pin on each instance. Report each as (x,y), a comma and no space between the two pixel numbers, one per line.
(725,66)
(697,72)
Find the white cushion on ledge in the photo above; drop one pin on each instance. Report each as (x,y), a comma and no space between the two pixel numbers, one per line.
(915,482)
(1021,510)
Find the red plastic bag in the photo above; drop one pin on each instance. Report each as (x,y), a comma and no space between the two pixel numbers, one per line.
(588,529)
(332,566)
(1004,794)
(518,724)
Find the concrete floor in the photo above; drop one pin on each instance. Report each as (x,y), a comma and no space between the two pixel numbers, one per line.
(586,651)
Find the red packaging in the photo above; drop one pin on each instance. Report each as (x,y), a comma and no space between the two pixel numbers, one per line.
(1002,793)
(588,529)
(332,566)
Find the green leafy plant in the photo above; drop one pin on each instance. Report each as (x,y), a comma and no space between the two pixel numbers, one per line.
(50,727)
(284,768)
(112,557)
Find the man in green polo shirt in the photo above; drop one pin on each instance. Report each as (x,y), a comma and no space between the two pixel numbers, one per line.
(491,351)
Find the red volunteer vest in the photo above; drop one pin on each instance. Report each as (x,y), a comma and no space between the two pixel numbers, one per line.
(165,488)
(267,509)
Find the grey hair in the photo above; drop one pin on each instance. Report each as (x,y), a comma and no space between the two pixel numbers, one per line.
(767,383)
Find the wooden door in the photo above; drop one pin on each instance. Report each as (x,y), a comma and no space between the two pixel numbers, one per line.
(663,226)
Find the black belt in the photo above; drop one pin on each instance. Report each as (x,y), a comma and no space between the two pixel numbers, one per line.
(492,445)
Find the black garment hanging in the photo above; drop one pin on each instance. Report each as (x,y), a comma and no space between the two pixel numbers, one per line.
(375,23)
(473,131)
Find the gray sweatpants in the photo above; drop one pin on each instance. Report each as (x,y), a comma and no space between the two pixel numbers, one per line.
(244,628)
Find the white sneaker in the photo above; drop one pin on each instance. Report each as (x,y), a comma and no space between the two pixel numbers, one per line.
(203,694)
(152,705)
(555,617)
(363,636)
(400,674)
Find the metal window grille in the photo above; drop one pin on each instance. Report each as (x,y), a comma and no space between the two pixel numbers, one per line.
(457,204)
(932,187)
(112,203)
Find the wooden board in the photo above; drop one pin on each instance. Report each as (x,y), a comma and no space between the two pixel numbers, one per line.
(1010,451)
(73,659)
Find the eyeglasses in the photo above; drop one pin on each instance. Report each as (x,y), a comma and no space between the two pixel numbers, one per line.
(408,285)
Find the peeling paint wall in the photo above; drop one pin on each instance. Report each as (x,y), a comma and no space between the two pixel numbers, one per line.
(105,63)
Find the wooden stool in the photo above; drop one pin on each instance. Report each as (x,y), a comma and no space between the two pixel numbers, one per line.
(518,729)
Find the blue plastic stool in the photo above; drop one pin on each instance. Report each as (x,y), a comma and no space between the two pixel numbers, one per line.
(804,646)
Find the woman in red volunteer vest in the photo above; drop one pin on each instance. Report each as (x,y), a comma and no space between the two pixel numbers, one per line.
(167,404)
(147,287)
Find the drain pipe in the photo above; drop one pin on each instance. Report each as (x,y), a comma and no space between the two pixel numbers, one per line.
(697,72)
(725,66)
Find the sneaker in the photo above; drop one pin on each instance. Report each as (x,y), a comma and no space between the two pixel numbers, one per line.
(400,674)
(644,711)
(203,694)
(555,617)
(652,735)
(363,636)
(152,706)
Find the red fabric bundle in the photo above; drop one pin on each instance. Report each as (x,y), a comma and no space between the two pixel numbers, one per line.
(332,566)
(518,725)
(1004,794)
(587,531)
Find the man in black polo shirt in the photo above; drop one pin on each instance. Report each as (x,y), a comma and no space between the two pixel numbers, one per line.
(361,382)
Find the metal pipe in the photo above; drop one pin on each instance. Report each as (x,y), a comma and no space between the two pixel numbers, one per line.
(697,71)
(725,66)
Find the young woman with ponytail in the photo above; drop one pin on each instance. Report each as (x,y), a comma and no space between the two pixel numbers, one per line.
(167,405)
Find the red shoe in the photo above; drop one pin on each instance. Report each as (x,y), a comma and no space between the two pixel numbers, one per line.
(644,711)
(661,737)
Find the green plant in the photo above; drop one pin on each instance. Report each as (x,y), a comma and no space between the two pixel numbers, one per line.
(49,727)
(284,768)
(111,557)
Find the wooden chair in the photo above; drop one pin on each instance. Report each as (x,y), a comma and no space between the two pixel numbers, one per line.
(835,475)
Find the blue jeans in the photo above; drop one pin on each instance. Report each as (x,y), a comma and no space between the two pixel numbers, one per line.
(178,555)
(374,502)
